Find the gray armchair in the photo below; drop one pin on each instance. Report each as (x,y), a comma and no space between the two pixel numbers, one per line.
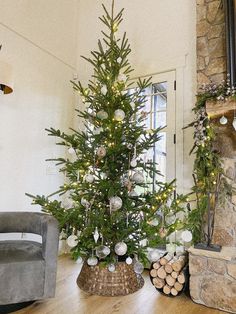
(28,268)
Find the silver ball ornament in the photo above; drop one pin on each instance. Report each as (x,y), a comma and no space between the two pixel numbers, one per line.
(102,115)
(71,151)
(133,163)
(115,203)
(129,261)
(138,267)
(102,251)
(121,248)
(153,255)
(89,178)
(72,241)
(111,268)
(92,261)
(119,115)
(138,177)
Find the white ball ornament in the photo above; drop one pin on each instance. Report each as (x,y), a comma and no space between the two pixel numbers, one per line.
(122,77)
(133,194)
(104,90)
(223,120)
(97,131)
(138,267)
(187,236)
(129,261)
(101,152)
(102,115)
(71,151)
(138,177)
(121,248)
(119,115)
(171,248)
(115,203)
(133,163)
(119,60)
(153,255)
(84,202)
(72,241)
(102,251)
(111,268)
(92,261)
(79,260)
(89,178)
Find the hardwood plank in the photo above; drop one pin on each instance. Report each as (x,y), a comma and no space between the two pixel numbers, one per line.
(71,300)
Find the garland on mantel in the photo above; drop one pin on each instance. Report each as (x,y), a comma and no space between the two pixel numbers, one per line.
(208,174)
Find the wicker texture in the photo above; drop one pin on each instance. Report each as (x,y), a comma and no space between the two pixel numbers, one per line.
(99,281)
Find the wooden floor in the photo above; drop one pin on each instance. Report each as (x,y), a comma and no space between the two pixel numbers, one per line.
(71,300)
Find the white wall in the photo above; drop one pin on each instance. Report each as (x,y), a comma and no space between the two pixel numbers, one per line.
(39,41)
(162,38)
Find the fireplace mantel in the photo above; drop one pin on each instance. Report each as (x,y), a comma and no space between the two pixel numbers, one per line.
(218,108)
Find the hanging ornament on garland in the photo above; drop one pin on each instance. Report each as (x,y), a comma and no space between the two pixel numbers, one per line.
(111,268)
(119,115)
(129,260)
(138,267)
(187,236)
(223,120)
(121,248)
(72,241)
(101,152)
(129,146)
(138,177)
(234,123)
(96,235)
(92,261)
(102,251)
(102,115)
(115,203)
(104,90)
(89,178)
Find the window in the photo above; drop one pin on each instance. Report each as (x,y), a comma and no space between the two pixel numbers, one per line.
(160,105)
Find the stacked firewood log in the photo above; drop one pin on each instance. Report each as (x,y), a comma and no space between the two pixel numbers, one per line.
(168,274)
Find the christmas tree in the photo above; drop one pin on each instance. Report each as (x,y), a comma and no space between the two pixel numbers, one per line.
(113,213)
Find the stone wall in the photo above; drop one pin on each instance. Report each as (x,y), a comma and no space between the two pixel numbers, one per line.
(211,66)
(211,52)
(213,278)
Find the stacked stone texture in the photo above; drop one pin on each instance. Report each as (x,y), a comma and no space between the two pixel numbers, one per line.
(211,52)
(211,66)
(213,282)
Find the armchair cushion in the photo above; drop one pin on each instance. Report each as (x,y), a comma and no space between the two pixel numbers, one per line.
(20,251)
